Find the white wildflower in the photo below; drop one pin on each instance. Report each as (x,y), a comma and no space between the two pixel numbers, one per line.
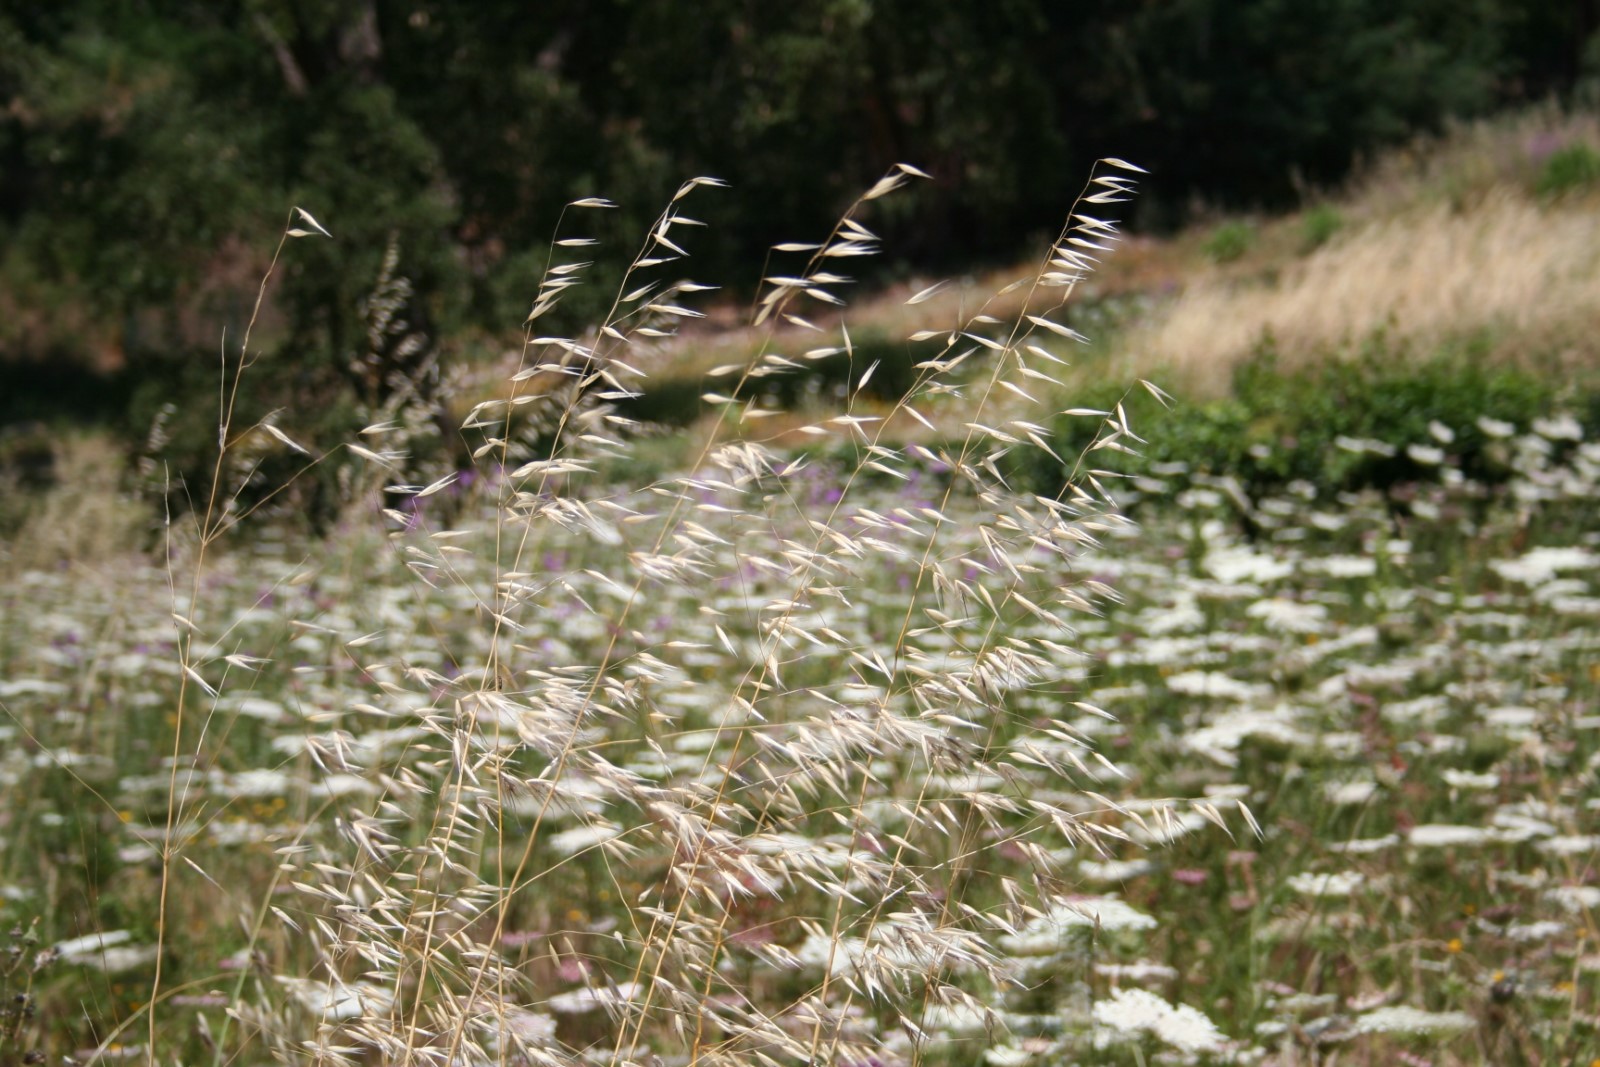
(1570,845)
(1213,684)
(1511,718)
(261,708)
(257,783)
(1366,845)
(1405,1020)
(340,1000)
(1234,565)
(1517,825)
(1220,738)
(18,687)
(108,951)
(1349,794)
(1436,835)
(1495,427)
(1114,870)
(1183,615)
(1575,898)
(1289,616)
(76,948)
(1143,971)
(343,785)
(579,838)
(1562,427)
(1343,566)
(1541,565)
(1364,445)
(1047,933)
(578,1001)
(1468,780)
(965,1018)
(1540,931)
(1424,711)
(1333,884)
(1136,1011)
(1168,826)
(531,1027)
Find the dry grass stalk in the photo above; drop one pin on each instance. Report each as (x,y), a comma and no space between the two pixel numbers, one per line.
(820,808)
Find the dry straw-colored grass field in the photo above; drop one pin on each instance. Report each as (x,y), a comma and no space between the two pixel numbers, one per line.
(1452,240)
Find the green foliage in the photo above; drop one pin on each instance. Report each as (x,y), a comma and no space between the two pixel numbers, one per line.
(144,151)
(124,168)
(1318,226)
(1574,167)
(1229,241)
(1278,426)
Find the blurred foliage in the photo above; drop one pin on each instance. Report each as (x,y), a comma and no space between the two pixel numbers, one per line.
(1319,225)
(140,139)
(1229,241)
(1576,166)
(148,150)
(1279,425)
(678,401)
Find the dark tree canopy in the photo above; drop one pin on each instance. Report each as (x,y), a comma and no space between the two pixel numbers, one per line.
(149,149)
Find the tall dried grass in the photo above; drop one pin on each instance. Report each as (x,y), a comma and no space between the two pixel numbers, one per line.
(1468,161)
(1443,241)
(1519,273)
(86,517)
(822,813)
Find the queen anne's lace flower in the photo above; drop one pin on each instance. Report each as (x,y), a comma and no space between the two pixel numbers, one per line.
(1136,1011)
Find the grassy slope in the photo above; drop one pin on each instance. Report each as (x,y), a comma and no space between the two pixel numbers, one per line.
(1489,235)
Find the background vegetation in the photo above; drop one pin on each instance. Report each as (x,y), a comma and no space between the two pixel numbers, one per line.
(145,147)
(792,672)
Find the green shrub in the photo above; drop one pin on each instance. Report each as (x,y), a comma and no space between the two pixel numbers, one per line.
(1278,425)
(1229,241)
(1577,166)
(1319,225)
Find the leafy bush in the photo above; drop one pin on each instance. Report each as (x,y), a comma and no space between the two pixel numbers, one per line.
(1340,425)
(1319,225)
(1577,166)
(1229,241)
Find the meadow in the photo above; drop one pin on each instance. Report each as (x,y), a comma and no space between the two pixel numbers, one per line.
(824,734)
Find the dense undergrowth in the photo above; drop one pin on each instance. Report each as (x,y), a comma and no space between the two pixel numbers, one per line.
(1475,246)
(1251,729)
(1378,419)
(1405,706)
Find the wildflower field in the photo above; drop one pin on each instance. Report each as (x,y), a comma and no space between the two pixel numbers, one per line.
(868,753)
